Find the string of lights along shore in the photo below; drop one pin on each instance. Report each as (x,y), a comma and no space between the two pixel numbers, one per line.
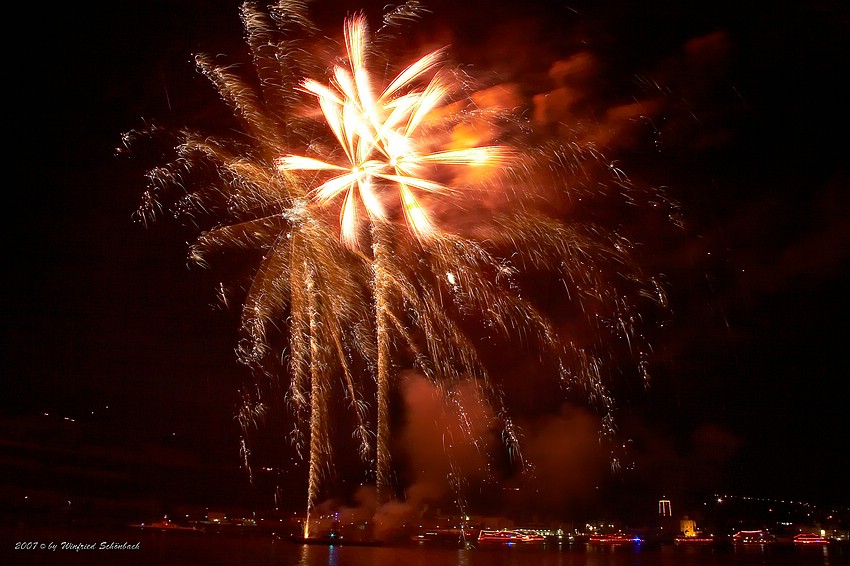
(407,219)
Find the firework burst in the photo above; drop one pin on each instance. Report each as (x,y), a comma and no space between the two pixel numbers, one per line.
(336,155)
(378,135)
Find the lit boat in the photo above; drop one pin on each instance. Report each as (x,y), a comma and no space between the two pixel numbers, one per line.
(614,539)
(752,537)
(165,525)
(335,541)
(442,535)
(698,539)
(509,537)
(810,538)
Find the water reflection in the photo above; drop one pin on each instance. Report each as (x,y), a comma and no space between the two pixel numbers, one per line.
(314,555)
(319,555)
(560,555)
(305,555)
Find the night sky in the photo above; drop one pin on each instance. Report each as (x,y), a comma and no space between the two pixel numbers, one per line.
(120,379)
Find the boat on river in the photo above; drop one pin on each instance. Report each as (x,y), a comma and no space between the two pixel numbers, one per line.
(694,540)
(166,524)
(614,539)
(507,536)
(810,538)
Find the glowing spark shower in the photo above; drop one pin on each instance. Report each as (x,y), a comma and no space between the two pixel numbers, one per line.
(460,235)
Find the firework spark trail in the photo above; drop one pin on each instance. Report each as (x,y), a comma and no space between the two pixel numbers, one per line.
(383,472)
(395,148)
(319,445)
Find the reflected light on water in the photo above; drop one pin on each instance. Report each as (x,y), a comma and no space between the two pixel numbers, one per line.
(341,555)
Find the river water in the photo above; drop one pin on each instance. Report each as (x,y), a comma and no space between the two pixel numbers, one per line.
(133,547)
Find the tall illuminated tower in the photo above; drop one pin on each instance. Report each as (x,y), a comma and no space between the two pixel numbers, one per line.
(665,508)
